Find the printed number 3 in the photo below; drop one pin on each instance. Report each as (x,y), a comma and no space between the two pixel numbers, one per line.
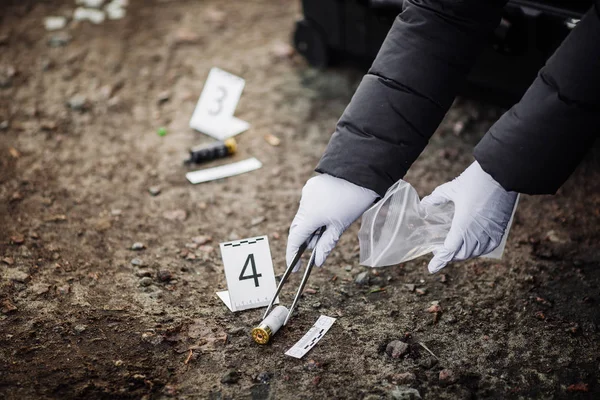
(219,100)
(255,276)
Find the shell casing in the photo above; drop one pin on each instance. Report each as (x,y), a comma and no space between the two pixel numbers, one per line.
(213,151)
(270,325)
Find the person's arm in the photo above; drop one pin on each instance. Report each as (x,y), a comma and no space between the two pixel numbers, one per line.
(536,145)
(400,102)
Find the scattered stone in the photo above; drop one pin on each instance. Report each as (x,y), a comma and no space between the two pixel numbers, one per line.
(80,328)
(316,380)
(78,102)
(175,215)
(553,237)
(89,14)
(362,278)
(206,249)
(283,50)
(8,260)
(116,212)
(428,363)
(230,377)
(138,262)
(447,376)
(90,3)
(348,268)
(146,281)
(421,292)
(316,305)
(396,349)
(264,377)
(237,331)
(7,307)
(138,246)
(272,140)
(59,39)
(540,315)
(63,289)
(404,378)
(14,153)
(4,125)
(276,236)
(405,393)
(449,318)
(202,239)
(192,246)
(163,97)
(435,308)
(309,291)
(143,273)
(55,23)
(6,76)
(114,11)
(190,256)
(311,365)
(17,239)
(215,16)
(184,36)
(443,278)
(152,338)
(13,274)
(154,190)
(410,286)
(24,252)
(40,288)
(118,363)
(164,275)
(258,220)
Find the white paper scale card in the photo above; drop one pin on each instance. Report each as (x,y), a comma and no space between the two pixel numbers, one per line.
(249,273)
(214,111)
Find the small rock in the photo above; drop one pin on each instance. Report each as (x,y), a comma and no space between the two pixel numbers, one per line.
(311,365)
(8,261)
(90,3)
(54,23)
(114,11)
(78,103)
(404,378)
(237,331)
(16,275)
(7,307)
(283,50)
(163,97)
(449,318)
(310,291)
(80,328)
(118,363)
(410,286)
(138,262)
(137,246)
(553,237)
(202,239)
(348,268)
(143,273)
(40,288)
(206,249)
(152,338)
(447,376)
(276,236)
(405,393)
(59,39)
(316,305)
(183,36)
(89,14)
(264,377)
(396,349)
(6,76)
(272,140)
(362,278)
(179,215)
(578,387)
(4,125)
(146,281)
(230,377)
(116,211)
(421,292)
(17,239)
(258,220)
(435,308)
(164,275)
(154,190)
(428,363)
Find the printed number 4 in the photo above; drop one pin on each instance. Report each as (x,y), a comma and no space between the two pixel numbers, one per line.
(255,276)
(219,100)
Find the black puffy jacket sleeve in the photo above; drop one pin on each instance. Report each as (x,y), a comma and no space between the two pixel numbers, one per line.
(422,63)
(536,145)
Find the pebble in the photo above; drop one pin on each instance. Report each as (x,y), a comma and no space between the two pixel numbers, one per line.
(90,3)
(59,39)
(405,393)
(396,349)
(179,215)
(238,330)
(421,292)
(143,274)
(264,377)
(146,281)
(272,140)
(138,246)
(348,268)
(138,262)
(258,220)
(362,278)
(8,260)
(447,376)
(77,102)
(154,190)
(80,328)
(202,239)
(435,308)
(230,377)
(17,239)
(7,307)
(404,378)
(54,23)
(152,338)
(90,14)
(410,286)
(4,125)
(163,97)
(15,275)
(164,275)
(118,363)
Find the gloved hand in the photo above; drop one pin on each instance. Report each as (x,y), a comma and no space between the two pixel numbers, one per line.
(482,209)
(329,201)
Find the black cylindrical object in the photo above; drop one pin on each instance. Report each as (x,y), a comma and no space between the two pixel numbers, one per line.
(204,153)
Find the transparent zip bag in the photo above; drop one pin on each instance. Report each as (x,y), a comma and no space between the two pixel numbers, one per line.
(399,228)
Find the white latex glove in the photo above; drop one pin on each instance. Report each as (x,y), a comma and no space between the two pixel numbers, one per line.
(329,201)
(482,209)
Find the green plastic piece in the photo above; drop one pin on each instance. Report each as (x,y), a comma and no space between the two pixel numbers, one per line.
(162,131)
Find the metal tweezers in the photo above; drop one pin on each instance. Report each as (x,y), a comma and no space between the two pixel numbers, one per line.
(311,262)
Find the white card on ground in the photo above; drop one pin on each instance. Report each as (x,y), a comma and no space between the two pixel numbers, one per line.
(224,296)
(223,171)
(214,111)
(249,273)
(311,338)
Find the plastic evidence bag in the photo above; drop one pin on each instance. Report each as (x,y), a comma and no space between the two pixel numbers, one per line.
(399,228)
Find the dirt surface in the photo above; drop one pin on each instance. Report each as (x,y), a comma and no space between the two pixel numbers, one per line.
(79,320)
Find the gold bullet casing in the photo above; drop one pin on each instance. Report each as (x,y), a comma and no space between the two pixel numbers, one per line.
(270,325)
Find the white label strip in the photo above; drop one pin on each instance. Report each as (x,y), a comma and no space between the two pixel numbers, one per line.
(224,171)
(311,338)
